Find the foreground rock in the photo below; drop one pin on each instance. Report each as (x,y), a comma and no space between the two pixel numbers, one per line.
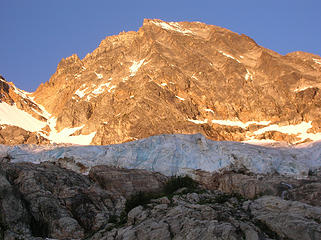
(48,201)
(251,185)
(213,215)
(287,219)
(127,181)
(39,201)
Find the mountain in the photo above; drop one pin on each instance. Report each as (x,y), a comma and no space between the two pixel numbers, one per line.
(175,78)
(173,88)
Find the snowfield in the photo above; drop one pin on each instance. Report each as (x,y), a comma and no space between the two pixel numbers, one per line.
(11,115)
(178,154)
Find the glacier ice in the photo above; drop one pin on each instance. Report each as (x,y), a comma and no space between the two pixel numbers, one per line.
(178,154)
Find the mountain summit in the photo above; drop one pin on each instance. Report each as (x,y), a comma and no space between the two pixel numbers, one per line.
(172,77)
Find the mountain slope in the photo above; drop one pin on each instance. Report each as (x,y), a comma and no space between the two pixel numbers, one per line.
(22,120)
(184,78)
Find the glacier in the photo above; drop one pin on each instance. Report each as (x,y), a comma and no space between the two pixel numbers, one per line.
(178,154)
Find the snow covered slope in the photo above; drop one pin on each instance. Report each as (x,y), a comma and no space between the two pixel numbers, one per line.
(178,154)
(11,115)
(19,109)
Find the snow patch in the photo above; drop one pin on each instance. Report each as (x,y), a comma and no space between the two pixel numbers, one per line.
(208,110)
(197,121)
(21,93)
(239,123)
(64,136)
(259,141)
(301,130)
(193,76)
(317,61)
(173,26)
(100,88)
(43,112)
(100,76)
(180,98)
(81,93)
(111,88)
(248,75)
(302,88)
(229,56)
(11,115)
(134,68)
(288,129)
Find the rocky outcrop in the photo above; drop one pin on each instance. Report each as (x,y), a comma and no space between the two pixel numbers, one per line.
(191,216)
(21,119)
(212,215)
(287,219)
(250,185)
(47,201)
(12,135)
(12,95)
(127,181)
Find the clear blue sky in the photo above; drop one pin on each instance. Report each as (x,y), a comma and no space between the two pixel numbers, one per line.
(36,34)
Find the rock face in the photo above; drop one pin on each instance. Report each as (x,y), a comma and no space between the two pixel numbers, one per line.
(178,78)
(48,201)
(12,135)
(252,185)
(185,77)
(127,182)
(211,216)
(39,201)
(287,219)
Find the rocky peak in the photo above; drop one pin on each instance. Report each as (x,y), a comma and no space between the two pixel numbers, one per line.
(4,88)
(185,77)
(70,64)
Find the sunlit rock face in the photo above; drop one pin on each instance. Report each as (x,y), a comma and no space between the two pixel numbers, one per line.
(178,77)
